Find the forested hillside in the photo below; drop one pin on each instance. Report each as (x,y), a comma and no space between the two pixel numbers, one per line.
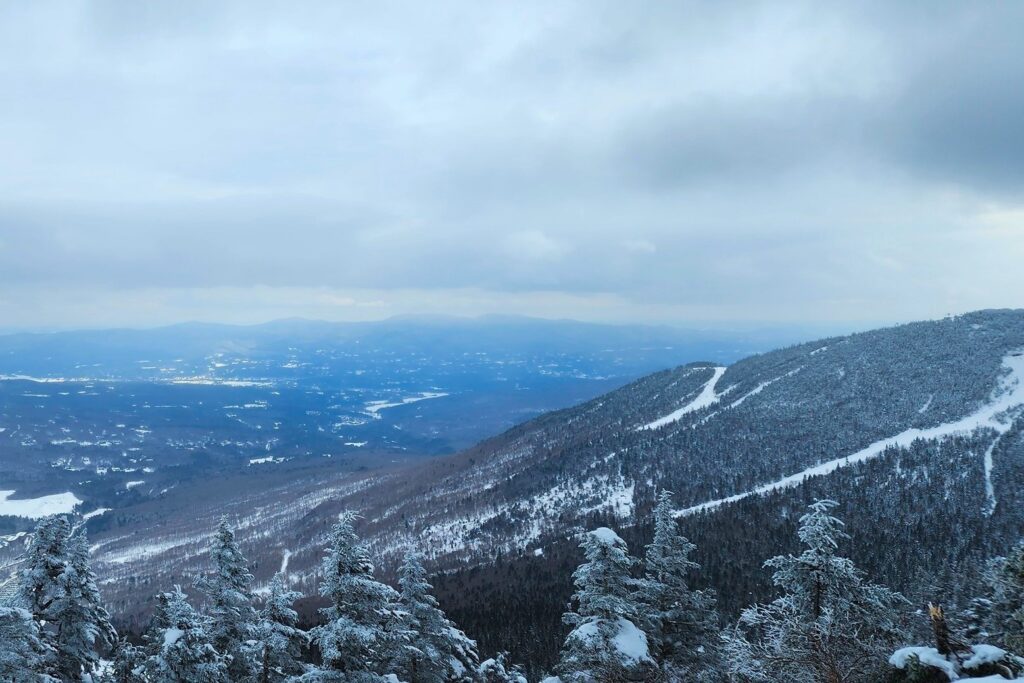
(917,430)
(629,619)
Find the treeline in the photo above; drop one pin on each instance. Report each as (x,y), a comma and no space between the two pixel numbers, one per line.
(632,619)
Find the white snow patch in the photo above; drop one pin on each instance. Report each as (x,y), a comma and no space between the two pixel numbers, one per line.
(373,408)
(1008,395)
(926,655)
(129,485)
(927,404)
(356,444)
(619,500)
(285,556)
(606,536)
(990,489)
(984,654)
(221,382)
(815,352)
(37,508)
(172,636)
(265,460)
(95,513)
(42,380)
(705,398)
(631,642)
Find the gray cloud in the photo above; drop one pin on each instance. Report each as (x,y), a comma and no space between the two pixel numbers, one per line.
(672,161)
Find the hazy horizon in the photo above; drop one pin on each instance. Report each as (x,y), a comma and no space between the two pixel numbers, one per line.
(790,330)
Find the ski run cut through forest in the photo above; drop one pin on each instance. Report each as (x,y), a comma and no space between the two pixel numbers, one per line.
(848,510)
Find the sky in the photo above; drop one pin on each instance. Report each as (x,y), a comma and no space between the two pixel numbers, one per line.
(686,163)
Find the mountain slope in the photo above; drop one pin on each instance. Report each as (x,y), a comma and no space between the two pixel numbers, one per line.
(916,429)
(820,405)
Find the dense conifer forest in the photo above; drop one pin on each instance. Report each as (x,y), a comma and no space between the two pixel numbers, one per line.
(635,614)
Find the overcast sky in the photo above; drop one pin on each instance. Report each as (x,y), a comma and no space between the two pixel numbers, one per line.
(708,163)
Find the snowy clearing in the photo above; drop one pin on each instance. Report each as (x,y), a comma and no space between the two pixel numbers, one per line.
(1007,396)
(265,460)
(373,408)
(95,513)
(37,508)
(705,398)
(213,381)
(990,489)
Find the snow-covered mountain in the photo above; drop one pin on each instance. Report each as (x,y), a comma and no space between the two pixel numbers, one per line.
(915,429)
(719,435)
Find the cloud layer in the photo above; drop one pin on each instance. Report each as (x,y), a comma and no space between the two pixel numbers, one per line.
(672,162)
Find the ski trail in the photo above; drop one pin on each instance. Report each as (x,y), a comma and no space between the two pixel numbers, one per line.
(990,490)
(705,398)
(1008,395)
(762,386)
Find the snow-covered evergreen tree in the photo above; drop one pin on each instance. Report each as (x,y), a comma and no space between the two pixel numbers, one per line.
(59,588)
(128,665)
(498,670)
(84,628)
(279,641)
(681,623)
(24,657)
(828,625)
(605,644)
(439,651)
(182,647)
(228,591)
(363,631)
(1006,608)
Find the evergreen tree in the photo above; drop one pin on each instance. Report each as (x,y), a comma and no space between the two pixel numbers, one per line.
(498,670)
(182,648)
(228,592)
(829,626)
(60,590)
(439,651)
(24,656)
(280,641)
(1006,606)
(363,631)
(605,643)
(128,665)
(84,624)
(681,623)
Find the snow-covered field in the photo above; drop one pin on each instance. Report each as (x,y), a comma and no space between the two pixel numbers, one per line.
(37,508)
(373,408)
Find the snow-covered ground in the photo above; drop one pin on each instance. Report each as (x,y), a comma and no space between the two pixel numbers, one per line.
(37,508)
(705,398)
(373,408)
(95,513)
(1009,395)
